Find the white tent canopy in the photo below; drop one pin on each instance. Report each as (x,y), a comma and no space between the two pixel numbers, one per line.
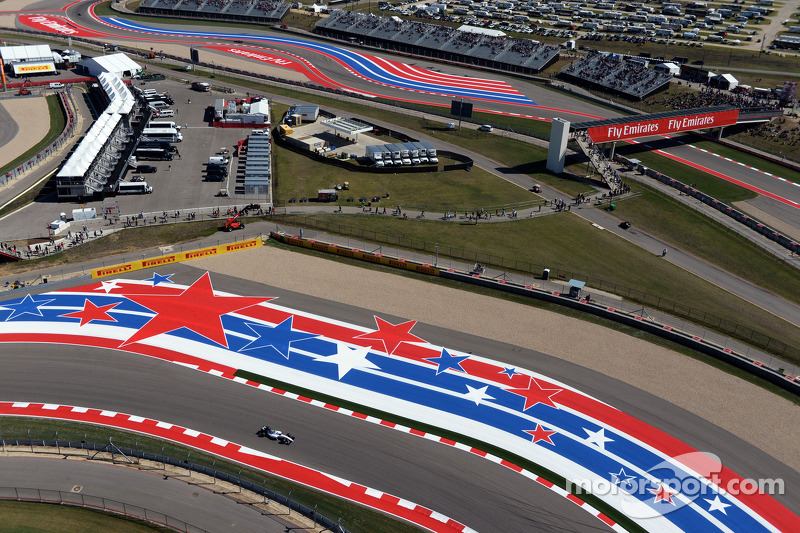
(32,52)
(118,64)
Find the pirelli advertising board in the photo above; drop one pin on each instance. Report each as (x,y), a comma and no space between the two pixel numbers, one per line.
(616,132)
(33,68)
(175,258)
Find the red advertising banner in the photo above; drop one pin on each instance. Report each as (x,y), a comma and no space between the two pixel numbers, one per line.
(616,132)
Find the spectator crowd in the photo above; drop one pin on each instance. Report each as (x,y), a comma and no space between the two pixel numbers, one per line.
(268,9)
(615,73)
(499,51)
(709,97)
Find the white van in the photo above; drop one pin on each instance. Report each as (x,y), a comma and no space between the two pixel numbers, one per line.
(149,92)
(215,160)
(164,113)
(56,85)
(158,105)
(163,124)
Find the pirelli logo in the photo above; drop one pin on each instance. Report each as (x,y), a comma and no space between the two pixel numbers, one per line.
(240,246)
(201,253)
(114,270)
(165,260)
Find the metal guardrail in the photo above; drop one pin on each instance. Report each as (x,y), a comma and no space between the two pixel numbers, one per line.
(87,501)
(126,455)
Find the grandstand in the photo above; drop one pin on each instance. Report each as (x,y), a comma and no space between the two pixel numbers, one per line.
(614,73)
(258,11)
(441,42)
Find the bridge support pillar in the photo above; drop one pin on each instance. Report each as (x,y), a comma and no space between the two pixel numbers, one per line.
(613,148)
(719,133)
(557,152)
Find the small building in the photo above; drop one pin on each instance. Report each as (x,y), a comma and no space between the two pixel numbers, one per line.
(302,113)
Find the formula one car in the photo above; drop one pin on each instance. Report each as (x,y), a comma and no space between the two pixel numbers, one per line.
(274,434)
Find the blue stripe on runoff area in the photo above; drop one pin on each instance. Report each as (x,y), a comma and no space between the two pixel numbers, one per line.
(358,63)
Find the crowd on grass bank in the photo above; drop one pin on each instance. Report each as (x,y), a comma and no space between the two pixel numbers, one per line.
(709,97)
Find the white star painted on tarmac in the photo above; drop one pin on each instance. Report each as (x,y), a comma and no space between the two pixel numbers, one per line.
(622,478)
(349,358)
(477,395)
(717,505)
(108,286)
(598,438)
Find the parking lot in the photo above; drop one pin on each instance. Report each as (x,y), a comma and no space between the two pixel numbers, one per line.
(179,184)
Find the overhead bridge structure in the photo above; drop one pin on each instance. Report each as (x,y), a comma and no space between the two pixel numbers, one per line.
(587,135)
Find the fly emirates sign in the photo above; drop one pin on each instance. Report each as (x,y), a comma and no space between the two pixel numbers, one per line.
(616,132)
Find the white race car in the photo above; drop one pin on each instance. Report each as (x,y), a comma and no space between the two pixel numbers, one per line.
(274,434)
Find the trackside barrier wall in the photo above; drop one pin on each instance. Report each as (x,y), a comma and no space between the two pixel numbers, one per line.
(357,254)
(738,216)
(186,465)
(789,383)
(175,258)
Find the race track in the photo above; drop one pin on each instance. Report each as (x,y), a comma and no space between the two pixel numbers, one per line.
(452,482)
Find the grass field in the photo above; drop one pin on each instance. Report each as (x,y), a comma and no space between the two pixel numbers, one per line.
(21,517)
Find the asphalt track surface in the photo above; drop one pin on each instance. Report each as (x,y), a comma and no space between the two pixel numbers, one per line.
(476,492)
(481,500)
(550,103)
(8,127)
(195,504)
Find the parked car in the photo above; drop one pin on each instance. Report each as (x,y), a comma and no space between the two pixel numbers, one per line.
(146,169)
(485,127)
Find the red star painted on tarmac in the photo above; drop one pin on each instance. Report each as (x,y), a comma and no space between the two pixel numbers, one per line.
(535,393)
(540,434)
(197,308)
(92,312)
(391,336)
(663,493)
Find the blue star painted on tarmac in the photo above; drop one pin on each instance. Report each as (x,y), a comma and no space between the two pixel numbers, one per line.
(510,372)
(158,278)
(278,338)
(447,361)
(27,306)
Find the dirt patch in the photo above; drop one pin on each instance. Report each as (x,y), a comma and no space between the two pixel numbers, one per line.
(33,117)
